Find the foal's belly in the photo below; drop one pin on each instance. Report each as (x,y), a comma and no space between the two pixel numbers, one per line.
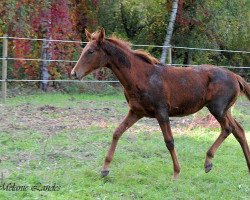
(186,106)
(180,112)
(151,109)
(177,105)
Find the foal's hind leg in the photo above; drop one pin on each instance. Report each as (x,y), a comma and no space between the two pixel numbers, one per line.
(228,125)
(239,134)
(225,131)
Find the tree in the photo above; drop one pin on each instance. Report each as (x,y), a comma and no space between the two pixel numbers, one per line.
(170,29)
(46,26)
(84,15)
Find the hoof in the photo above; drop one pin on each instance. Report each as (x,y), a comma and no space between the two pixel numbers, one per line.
(208,167)
(175,177)
(104,173)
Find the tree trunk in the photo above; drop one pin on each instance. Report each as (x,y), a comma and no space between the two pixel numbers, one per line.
(187,58)
(44,65)
(46,54)
(170,28)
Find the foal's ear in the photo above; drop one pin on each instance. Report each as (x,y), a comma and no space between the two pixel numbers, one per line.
(101,35)
(88,34)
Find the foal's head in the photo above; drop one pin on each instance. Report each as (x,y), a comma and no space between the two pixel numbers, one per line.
(101,52)
(92,56)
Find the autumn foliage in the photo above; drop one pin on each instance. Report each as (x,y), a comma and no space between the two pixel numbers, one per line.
(56,19)
(202,23)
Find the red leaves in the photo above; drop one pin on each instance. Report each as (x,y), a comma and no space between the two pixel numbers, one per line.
(95,2)
(50,19)
(181,18)
(22,49)
(61,29)
(37,19)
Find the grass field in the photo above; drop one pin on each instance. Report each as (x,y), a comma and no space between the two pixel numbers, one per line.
(58,142)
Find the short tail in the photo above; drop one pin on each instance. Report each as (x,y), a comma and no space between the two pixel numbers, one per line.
(244,87)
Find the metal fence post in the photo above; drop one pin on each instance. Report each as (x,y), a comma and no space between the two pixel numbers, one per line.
(4,67)
(170,55)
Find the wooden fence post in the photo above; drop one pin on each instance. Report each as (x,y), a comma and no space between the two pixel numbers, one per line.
(4,67)
(170,55)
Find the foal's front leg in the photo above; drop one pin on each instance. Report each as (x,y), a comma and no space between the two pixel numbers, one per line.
(163,121)
(129,120)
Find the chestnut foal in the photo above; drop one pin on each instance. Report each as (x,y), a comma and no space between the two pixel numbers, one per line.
(157,91)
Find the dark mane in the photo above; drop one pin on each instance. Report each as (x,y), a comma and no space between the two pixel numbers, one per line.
(120,43)
(114,48)
(143,55)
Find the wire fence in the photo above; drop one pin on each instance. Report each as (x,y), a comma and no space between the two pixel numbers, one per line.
(58,80)
(75,61)
(5,58)
(135,45)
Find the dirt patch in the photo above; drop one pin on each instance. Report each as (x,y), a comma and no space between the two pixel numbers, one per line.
(47,108)
(49,119)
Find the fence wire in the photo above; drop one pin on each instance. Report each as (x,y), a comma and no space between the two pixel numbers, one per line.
(75,61)
(135,45)
(40,39)
(38,59)
(58,80)
(96,81)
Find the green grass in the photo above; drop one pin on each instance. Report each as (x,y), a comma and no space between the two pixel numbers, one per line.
(60,99)
(71,156)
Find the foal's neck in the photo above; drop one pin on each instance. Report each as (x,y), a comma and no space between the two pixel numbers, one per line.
(134,74)
(126,65)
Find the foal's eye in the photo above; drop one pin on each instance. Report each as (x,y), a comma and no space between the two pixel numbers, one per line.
(91,51)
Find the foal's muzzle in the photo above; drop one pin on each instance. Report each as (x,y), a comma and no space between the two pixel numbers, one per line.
(73,74)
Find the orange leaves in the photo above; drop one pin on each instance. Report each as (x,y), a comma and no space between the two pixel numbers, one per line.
(39,19)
